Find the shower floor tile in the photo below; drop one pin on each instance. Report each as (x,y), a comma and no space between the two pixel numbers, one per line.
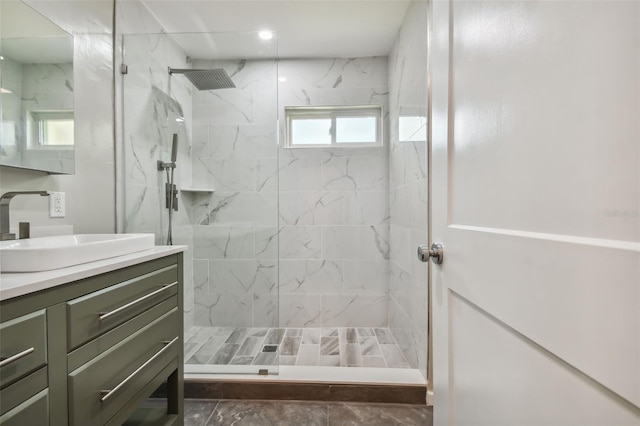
(345,347)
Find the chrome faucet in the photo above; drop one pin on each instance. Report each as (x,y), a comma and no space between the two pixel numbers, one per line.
(5,232)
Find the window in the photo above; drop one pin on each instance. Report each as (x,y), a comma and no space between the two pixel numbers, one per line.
(50,128)
(348,126)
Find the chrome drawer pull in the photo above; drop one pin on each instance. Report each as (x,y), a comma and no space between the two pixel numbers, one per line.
(107,393)
(105,315)
(12,358)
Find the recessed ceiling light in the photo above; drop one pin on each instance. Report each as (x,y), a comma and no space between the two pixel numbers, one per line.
(1,58)
(265,35)
(282,79)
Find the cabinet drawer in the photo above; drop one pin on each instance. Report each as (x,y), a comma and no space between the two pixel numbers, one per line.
(34,411)
(24,346)
(107,383)
(18,392)
(91,315)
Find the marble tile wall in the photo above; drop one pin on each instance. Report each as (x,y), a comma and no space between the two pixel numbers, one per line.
(154,106)
(408,309)
(331,234)
(334,204)
(235,228)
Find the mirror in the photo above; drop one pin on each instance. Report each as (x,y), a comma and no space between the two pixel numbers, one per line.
(36,92)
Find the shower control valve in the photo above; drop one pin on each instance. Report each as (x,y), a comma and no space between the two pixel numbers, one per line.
(171,196)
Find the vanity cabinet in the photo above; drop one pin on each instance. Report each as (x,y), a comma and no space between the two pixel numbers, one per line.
(23,370)
(91,351)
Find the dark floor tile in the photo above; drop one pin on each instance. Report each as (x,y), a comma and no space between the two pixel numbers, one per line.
(358,414)
(224,354)
(197,412)
(250,346)
(267,413)
(237,336)
(329,346)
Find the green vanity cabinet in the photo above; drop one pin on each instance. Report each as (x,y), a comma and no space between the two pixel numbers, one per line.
(23,346)
(33,411)
(93,350)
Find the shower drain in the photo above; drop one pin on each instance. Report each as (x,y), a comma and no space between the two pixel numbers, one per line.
(270,348)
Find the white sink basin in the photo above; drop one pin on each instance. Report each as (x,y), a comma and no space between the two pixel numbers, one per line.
(43,254)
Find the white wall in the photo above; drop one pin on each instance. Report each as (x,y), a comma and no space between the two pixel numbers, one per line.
(90,191)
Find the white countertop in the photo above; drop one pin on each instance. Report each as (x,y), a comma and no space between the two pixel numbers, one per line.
(19,284)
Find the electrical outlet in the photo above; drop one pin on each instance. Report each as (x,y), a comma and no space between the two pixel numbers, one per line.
(56,204)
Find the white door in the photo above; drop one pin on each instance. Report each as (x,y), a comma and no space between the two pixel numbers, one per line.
(535,153)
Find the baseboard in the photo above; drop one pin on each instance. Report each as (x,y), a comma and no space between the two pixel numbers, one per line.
(261,390)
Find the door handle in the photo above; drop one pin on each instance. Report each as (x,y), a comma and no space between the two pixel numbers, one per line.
(435,253)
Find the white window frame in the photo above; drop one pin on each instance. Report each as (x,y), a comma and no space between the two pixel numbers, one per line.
(332,113)
(37,120)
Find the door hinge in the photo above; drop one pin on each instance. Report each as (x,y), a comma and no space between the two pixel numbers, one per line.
(124,69)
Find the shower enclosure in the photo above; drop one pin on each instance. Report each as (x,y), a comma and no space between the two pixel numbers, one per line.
(298,258)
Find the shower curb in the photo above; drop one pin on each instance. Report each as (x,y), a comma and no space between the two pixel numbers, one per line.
(335,392)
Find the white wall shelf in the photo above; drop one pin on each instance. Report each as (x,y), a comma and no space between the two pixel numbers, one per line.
(198,190)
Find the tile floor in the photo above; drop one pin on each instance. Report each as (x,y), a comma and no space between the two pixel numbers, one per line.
(346,347)
(295,413)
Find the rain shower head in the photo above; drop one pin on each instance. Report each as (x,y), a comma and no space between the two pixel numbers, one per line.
(212,79)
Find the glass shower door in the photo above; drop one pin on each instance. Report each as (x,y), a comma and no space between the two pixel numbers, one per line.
(226,177)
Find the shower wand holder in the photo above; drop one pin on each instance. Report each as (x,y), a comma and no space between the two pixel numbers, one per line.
(164,166)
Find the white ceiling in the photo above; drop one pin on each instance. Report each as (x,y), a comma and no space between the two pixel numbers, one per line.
(305,28)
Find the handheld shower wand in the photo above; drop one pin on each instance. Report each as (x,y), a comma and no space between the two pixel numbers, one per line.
(171,193)
(174,149)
